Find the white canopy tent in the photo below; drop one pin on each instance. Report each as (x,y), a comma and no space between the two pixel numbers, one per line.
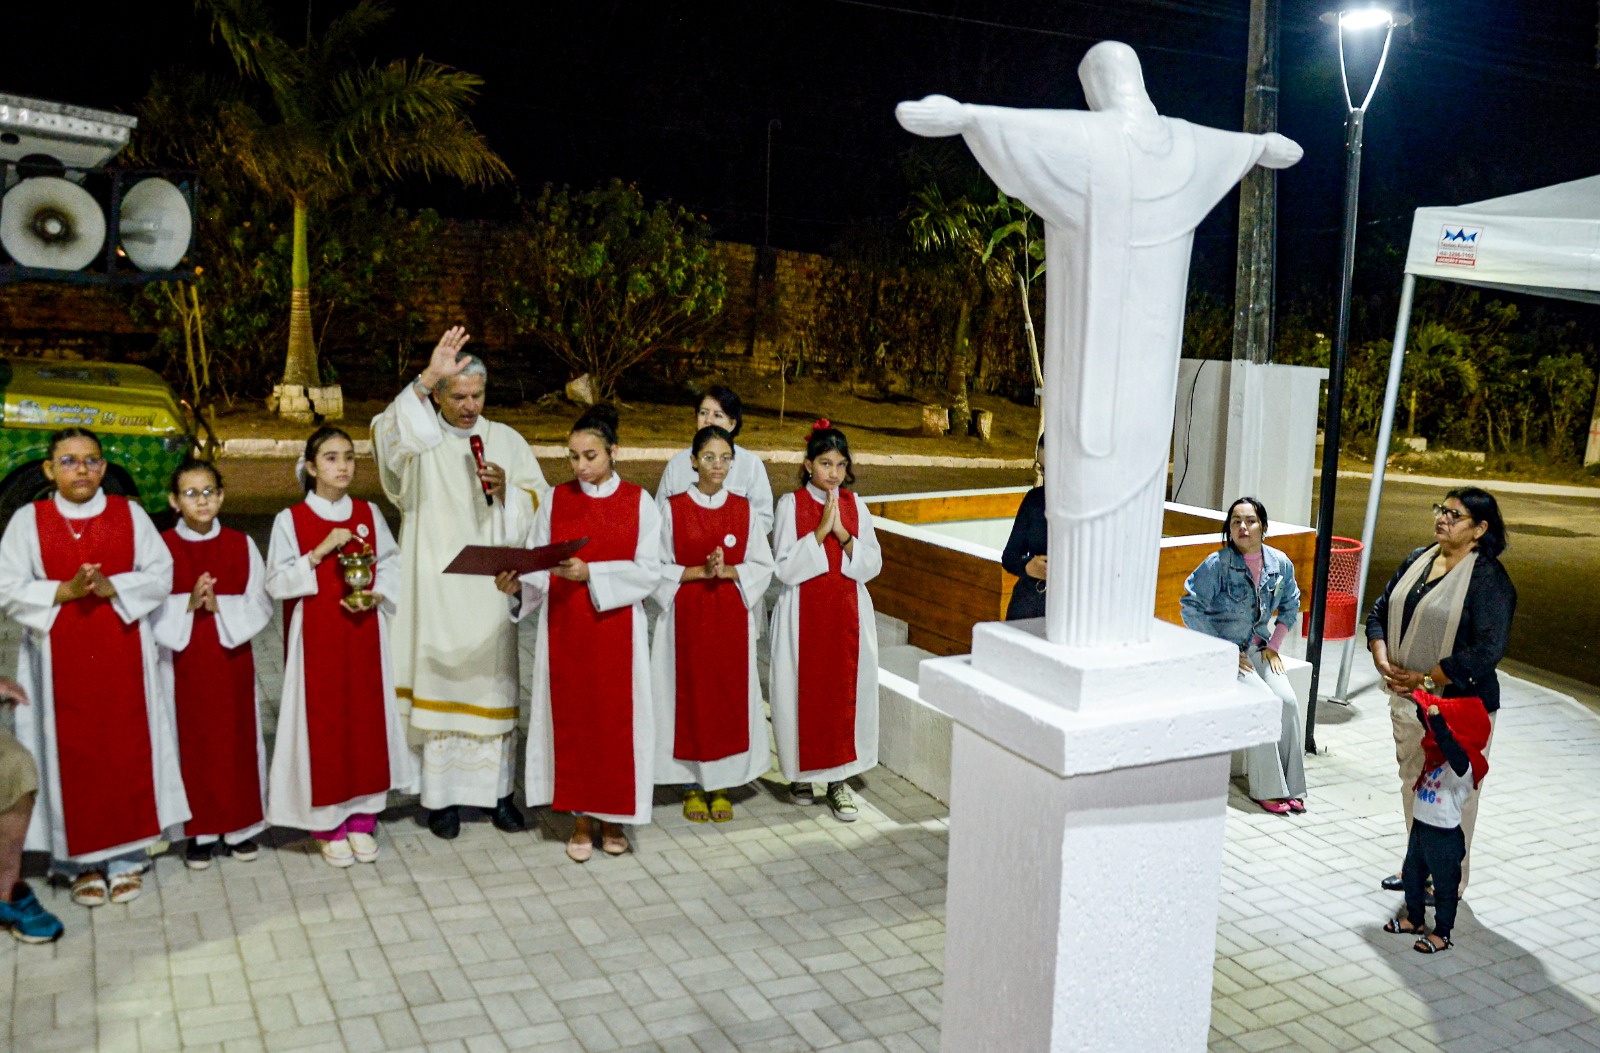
(1545,242)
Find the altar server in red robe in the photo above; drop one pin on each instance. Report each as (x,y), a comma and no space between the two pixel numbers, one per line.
(591,728)
(711,728)
(341,744)
(824,672)
(219,603)
(81,571)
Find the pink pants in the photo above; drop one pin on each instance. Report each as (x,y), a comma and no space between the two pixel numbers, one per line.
(356,824)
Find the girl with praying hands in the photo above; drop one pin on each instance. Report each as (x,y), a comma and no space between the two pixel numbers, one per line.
(219,602)
(82,571)
(824,671)
(341,744)
(711,731)
(591,727)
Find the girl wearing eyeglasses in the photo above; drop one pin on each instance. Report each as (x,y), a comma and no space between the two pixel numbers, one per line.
(82,571)
(219,603)
(711,734)
(1441,625)
(721,408)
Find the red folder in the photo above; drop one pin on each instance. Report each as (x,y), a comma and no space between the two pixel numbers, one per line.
(493,559)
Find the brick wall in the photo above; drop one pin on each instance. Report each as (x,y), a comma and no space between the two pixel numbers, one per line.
(771,294)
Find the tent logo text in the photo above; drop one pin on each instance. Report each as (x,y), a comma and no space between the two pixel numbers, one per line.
(1458,246)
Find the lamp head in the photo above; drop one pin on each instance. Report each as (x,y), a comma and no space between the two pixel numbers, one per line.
(1362,15)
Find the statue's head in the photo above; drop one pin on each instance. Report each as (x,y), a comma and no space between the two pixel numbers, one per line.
(1112,79)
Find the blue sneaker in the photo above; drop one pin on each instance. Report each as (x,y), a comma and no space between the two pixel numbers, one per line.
(27,919)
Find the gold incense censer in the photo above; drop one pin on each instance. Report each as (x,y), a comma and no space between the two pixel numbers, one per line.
(358,574)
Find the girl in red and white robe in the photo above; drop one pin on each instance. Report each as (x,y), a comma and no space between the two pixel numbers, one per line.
(591,728)
(824,672)
(341,745)
(711,729)
(81,571)
(219,603)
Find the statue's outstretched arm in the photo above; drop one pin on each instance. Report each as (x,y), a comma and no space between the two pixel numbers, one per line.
(1280,152)
(934,116)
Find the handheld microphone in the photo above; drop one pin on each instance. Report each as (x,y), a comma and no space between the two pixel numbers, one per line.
(477,454)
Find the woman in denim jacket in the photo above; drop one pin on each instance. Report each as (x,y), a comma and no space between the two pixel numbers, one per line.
(1245,593)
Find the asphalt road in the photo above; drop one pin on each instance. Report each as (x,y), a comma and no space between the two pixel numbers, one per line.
(1552,558)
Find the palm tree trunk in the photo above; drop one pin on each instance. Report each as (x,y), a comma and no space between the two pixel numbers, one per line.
(300,368)
(956,381)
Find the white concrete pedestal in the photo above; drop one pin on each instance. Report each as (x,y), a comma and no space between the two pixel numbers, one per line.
(1086,827)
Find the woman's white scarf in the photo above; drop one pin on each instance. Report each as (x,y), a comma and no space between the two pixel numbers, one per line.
(1431,635)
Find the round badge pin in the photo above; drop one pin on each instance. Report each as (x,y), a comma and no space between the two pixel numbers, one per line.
(729,540)
(361,530)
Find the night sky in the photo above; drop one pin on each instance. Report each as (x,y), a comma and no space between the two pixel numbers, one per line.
(1481,97)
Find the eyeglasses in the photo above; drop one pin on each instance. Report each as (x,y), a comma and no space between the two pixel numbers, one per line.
(713,459)
(1455,515)
(208,493)
(69,462)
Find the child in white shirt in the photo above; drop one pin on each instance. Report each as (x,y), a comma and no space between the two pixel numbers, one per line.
(1456,730)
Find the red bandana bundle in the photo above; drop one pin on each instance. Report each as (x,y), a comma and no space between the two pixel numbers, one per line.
(1468,722)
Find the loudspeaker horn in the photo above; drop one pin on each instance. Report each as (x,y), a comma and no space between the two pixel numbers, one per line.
(51,223)
(155,225)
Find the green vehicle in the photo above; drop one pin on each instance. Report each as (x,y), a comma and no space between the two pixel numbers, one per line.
(133,411)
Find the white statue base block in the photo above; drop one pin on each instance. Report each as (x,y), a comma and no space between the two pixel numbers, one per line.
(1086,826)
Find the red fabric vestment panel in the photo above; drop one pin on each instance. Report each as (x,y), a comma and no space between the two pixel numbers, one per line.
(830,645)
(102,719)
(591,658)
(711,628)
(346,721)
(215,693)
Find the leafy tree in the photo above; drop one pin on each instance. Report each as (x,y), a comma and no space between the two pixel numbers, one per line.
(1567,381)
(372,259)
(605,280)
(325,125)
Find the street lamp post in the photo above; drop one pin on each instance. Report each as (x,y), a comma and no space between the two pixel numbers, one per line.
(1357,18)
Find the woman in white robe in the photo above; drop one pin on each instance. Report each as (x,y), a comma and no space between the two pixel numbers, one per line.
(591,727)
(117,833)
(824,712)
(726,541)
(343,827)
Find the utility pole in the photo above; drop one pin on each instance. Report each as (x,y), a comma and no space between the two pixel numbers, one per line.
(1254,285)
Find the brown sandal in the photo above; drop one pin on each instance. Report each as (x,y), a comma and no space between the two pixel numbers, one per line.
(89,889)
(126,887)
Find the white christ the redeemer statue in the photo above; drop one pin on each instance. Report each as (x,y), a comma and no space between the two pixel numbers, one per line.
(1121,189)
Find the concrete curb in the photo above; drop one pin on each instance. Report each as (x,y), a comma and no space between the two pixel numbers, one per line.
(290,449)
(1505,486)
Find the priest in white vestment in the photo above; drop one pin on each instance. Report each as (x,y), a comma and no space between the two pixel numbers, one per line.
(454,644)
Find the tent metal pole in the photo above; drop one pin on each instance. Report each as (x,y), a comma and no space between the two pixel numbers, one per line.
(1380,461)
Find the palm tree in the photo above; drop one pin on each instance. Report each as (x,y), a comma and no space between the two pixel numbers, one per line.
(997,239)
(329,122)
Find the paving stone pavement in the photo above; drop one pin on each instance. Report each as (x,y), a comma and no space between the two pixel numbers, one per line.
(786,931)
